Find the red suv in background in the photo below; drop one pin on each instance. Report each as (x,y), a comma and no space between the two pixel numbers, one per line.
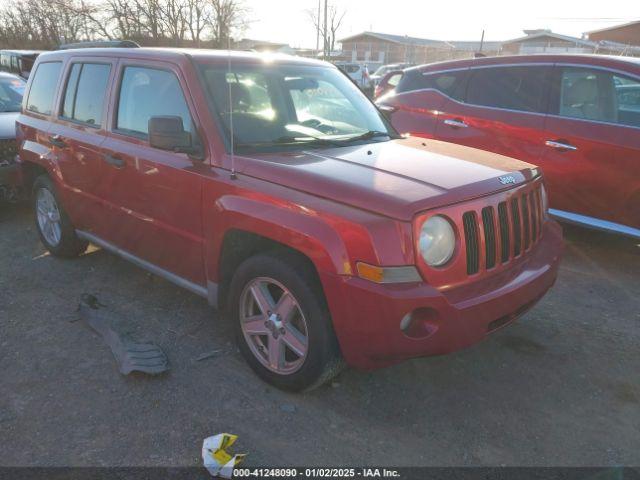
(273,187)
(576,116)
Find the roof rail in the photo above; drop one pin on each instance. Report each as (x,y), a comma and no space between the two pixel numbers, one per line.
(100,44)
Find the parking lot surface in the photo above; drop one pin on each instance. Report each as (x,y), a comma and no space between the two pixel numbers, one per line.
(559,387)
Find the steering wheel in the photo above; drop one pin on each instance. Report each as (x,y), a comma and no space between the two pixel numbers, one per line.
(312,123)
(321,127)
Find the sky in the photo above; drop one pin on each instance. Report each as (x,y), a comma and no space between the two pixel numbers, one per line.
(288,21)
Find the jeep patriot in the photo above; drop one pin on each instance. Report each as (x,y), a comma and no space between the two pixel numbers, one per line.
(273,187)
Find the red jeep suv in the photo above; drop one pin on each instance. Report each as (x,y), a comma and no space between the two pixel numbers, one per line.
(274,188)
(576,116)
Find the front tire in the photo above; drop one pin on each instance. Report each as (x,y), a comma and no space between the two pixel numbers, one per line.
(56,232)
(283,326)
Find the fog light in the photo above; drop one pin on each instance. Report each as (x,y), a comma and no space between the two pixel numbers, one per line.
(405,322)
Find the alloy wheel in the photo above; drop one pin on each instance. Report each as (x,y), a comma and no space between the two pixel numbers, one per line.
(274,325)
(48,214)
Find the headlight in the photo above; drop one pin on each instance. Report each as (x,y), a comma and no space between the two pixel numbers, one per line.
(437,241)
(545,201)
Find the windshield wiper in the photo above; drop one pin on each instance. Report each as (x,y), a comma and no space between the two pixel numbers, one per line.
(311,140)
(292,140)
(371,134)
(314,140)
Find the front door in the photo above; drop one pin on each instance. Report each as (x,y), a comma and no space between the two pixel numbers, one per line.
(155,195)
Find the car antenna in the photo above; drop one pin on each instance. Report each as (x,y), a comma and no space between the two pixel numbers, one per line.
(233,153)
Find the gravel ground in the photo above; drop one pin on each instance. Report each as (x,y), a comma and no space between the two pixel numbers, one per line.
(559,387)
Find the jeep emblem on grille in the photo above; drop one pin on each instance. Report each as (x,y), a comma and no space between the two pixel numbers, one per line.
(506,180)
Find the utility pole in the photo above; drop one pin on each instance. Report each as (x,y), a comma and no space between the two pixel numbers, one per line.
(481,42)
(326,41)
(318,28)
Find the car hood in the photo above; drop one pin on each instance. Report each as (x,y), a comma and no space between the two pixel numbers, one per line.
(8,124)
(397,179)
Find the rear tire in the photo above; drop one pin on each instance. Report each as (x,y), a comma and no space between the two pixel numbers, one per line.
(297,325)
(56,232)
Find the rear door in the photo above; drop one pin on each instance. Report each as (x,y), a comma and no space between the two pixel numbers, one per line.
(502,110)
(76,135)
(155,195)
(37,107)
(592,152)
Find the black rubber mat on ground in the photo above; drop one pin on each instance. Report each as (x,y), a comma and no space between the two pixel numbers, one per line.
(130,355)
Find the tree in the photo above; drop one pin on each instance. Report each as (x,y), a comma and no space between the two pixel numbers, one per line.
(335,17)
(198,17)
(227,17)
(174,19)
(45,24)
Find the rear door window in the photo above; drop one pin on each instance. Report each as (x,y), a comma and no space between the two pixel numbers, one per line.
(513,88)
(85,93)
(43,88)
(146,93)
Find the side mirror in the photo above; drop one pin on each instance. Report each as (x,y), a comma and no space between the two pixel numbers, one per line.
(167,133)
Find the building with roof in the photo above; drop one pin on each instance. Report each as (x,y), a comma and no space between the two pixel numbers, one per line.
(263,46)
(626,34)
(384,48)
(546,41)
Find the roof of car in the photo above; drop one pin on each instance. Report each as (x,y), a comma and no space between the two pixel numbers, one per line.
(23,52)
(535,58)
(179,54)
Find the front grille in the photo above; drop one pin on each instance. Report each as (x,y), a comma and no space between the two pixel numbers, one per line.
(489,237)
(517,229)
(526,219)
(8,151)
(505,246)
(471,239)
(516,224)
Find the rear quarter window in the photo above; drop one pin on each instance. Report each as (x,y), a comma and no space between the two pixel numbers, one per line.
(43,88)
(449,83)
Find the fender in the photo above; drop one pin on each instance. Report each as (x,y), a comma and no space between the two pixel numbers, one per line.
(286,223)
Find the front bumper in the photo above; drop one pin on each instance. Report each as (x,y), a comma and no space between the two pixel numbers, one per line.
(366,316)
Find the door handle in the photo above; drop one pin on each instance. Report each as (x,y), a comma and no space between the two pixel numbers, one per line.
(455,123)
(115,161)
(56,141)
(560,145)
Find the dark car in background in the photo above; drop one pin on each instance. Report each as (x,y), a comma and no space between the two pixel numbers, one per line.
(576,116)
(19,62)
(11,92)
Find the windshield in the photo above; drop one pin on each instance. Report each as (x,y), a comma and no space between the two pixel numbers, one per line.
(276,106)
(11,91)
